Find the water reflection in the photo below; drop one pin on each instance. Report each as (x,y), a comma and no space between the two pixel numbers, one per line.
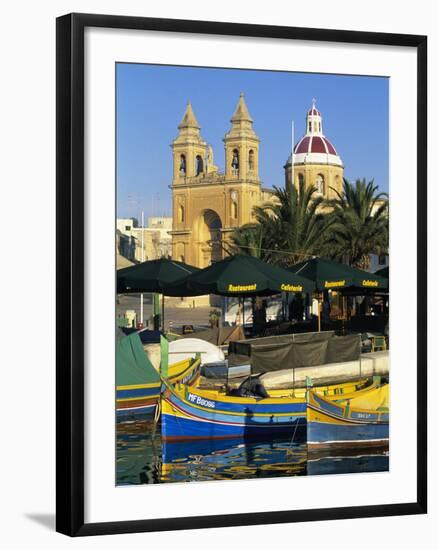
(143,458)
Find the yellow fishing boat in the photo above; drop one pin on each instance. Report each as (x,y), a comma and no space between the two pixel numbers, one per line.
(354,421)
(189,412)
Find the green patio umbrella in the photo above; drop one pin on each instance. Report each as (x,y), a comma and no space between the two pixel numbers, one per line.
(331,275)
(240,275)
(152,276)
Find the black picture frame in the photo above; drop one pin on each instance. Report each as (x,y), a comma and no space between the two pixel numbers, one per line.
(70,273)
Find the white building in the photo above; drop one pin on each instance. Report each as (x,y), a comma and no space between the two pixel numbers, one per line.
(140,244)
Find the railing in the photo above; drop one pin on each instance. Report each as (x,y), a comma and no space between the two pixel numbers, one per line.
(217,178)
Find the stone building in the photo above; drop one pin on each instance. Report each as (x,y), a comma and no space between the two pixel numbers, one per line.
(207,204)
(139,244)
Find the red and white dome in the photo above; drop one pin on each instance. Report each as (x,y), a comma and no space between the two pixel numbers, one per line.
(315,144)
(314,147)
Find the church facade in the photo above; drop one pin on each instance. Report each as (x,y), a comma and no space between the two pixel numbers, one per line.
(208,205)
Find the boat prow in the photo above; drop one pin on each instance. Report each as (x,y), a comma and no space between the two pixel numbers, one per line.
(361,421)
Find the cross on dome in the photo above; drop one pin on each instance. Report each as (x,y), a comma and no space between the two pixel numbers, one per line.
(314,147)
(313,111)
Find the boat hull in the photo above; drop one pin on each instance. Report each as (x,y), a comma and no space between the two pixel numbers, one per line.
(187,415)
(331,424)
(137,402)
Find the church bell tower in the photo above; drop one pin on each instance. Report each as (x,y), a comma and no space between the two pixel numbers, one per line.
(242,146)
(189,149)
(208,204)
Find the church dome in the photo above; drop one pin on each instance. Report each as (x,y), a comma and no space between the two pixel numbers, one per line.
(314,147)
(315,144)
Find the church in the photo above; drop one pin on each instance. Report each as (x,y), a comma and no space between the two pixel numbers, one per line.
(208,205)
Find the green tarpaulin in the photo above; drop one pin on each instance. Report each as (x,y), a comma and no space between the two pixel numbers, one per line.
(244,347)
(341,349)
(319,349)
(132,363)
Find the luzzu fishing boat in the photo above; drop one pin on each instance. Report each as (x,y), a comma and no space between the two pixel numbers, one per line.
(361,420)
(192,413)
(142,399)
(189,412)
(139,383)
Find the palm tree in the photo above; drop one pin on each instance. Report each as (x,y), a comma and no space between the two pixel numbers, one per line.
(299,223)
(248,239)
(288,230)
(302,222)
(358,224)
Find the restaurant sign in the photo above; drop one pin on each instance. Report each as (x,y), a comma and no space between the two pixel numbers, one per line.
(334,284)
(242,288)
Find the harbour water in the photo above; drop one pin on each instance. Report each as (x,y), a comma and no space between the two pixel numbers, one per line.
(142,458)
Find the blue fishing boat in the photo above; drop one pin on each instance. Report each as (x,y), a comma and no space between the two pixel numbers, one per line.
(191,413)
(355,422)
(138,385)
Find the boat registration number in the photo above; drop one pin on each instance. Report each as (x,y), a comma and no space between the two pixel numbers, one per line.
(198,400)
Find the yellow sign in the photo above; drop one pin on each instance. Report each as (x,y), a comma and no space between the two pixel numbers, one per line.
(333,284)
(291,288)
(242,288)
(367,282)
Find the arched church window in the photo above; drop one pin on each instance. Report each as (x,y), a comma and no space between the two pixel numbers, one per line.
(235,161)
(182,164)
(251,160)
(319,184)
(310,126)
(300,179)
(199,165)
(181,213)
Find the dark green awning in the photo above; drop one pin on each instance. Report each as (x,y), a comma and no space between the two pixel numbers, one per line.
(152,276)
(384,272)
(240,275)
(331,275)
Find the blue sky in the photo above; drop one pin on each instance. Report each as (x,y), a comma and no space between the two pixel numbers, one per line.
(151,100)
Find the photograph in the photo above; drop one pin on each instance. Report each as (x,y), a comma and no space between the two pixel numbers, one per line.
(251,239)
(224,214)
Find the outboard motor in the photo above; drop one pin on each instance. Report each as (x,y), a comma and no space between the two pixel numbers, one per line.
(251,387)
